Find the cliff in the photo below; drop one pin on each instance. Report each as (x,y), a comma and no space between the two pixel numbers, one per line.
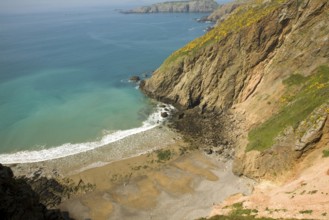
(177,7)
(19,201)
(263,70)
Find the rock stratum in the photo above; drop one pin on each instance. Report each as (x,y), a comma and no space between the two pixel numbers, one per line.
(258,81)
(176,7)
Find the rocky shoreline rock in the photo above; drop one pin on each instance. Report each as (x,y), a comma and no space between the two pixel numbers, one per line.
(211,132)
(134,79)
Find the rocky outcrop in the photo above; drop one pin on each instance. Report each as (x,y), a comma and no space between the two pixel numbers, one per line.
(310,130)
(177,7)
(19,201)
(289,147)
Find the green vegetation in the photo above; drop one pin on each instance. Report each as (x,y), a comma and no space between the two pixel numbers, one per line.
(306,212)
(163,155)
(242,17)
(325,153)
(238,210)
(294,79)
(221,217)
(304,94)
(240,213)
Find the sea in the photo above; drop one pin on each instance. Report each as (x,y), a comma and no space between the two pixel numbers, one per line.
(64,77)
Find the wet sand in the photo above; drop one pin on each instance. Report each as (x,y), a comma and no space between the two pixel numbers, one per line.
(185,187)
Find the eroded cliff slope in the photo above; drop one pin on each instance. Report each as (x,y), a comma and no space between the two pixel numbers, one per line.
(266,62)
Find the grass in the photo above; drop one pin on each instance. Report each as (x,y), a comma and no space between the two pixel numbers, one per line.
(309,212)
(221,217)
(294,79)
(240,213)
(311,92)
(325,153)
(238,210)
(163,155)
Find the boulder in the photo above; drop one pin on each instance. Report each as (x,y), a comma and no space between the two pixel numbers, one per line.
(310,130)
(164,114)
(208,151)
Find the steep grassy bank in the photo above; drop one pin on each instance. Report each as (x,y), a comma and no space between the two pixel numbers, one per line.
(303,95)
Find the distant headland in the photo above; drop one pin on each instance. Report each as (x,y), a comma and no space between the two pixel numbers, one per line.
(176,7)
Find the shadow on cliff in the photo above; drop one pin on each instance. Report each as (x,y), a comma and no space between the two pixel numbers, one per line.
(19,201)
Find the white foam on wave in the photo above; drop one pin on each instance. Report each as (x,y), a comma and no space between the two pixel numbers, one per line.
(69,149)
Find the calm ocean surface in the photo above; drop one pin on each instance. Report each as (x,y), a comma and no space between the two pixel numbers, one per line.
(63,75)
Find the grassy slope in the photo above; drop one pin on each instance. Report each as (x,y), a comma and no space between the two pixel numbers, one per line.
(220,217)
(238,212)
(303,95)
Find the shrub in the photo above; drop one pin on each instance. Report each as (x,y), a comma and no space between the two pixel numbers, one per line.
(163,155)
(325,153)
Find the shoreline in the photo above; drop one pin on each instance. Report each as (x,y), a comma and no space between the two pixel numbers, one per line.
(128,147)
(154,120)
(141,184)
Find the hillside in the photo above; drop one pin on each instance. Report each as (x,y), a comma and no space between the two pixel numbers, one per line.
(177,7)
(264,72)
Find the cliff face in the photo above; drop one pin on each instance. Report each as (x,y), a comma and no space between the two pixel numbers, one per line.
(177,7)
(241,66)
(229,70)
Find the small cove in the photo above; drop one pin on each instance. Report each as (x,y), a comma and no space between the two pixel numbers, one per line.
(64,75)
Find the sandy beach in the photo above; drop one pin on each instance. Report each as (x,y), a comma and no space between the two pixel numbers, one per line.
(143,184)
(185,187)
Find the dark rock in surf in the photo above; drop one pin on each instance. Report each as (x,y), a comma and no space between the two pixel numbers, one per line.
(164,114)
(134,79)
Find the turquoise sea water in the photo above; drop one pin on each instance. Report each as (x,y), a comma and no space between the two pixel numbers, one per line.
(63,75)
